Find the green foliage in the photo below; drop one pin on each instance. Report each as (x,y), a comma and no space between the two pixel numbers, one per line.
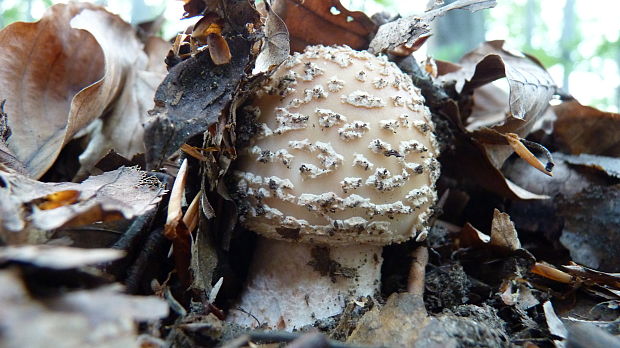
(609,49)
(385,2)
(13,14)
(450,53)
(544,56)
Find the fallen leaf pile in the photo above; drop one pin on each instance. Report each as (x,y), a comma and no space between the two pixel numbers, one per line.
(80,69)
(91,311)
(117,228)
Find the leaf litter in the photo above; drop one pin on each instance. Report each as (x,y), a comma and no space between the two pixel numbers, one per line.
(513,257)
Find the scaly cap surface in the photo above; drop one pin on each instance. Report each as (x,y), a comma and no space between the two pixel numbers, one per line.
(342,151)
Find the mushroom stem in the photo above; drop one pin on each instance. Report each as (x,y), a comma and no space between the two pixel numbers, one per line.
(292,285)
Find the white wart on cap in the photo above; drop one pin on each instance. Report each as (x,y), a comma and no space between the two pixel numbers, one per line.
(342,152)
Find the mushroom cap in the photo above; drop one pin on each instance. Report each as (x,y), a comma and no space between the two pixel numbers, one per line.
(340,151)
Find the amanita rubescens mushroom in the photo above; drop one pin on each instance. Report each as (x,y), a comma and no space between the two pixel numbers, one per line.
(341,161)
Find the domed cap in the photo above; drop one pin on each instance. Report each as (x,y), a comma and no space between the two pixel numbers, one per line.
(341,152)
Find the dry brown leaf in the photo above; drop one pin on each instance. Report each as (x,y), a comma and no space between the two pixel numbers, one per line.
(101,317)
(176,230)
(123,193)
(276,45)
(609,165)
(194,96)
(531,88)
(65,71)
(583,129)
(414,30)
(326,22)
(591,221)
(238,13)
(592,276)
(555,325)
(515,293)
(565,180)
(585,206)
(127,65)
(503,232)
(50,72)
(208,31)
(469,236)
(471,161)
(193,8)
(218,49)
(484,147)
(156,49)
(57,257)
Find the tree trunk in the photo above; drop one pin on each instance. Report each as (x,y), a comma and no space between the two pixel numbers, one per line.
(567,41)
(457,33)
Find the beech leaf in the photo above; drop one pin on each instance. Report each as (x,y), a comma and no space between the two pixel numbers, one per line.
(413,30)
(191,98)
(531,86)
(325,22)
(495,115)
(127,74)
(57,257)
(276,45)
(583,129)
(123,193)
(102,317)
(49,71)
(78,63)
(503,232)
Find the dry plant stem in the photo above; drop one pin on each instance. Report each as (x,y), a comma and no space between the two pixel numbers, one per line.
(292,285)
(176,195)
(415,284)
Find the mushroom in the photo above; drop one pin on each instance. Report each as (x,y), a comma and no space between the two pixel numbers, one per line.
(340,161)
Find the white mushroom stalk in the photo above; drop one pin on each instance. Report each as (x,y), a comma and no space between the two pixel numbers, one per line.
(341,161)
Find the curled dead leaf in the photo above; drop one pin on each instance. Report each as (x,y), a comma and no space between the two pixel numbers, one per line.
(192,98)
(313,22)
(494,115)
(132,76)
(583,129)
(218,49)
(407,34)
(51,74)
(103,317)
(57,257)
(531,88)
(60,74)
(503,232)
(276,45)
(123,193)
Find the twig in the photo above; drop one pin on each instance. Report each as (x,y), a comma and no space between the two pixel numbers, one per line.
(283,337)
(150,253)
